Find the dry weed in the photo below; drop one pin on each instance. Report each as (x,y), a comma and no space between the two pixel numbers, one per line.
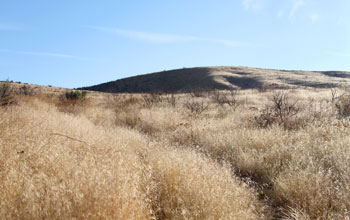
(119,159)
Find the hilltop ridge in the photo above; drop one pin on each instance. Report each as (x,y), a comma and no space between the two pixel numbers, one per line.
(222,77)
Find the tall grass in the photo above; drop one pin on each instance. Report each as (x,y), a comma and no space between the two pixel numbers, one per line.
(56,165)
(117,158)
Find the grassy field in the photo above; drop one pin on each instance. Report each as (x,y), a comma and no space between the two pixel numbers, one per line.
(247,154)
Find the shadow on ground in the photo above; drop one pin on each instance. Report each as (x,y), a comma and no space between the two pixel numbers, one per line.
(200,79)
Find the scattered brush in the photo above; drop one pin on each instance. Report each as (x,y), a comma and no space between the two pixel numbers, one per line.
(6,94)
(26,91)
(73,96)
(151,99)
(196,107)
(282,111)
(72,101)
(229,98)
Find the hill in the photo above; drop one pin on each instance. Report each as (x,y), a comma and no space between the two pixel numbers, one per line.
(222,77)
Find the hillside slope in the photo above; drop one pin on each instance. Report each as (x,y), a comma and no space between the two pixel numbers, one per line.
(222,77)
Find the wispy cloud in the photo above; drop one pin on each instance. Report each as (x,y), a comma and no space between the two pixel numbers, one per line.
(144,36)
(296,5)
(292,11)
(11,27)
(32,53)
(164,38)
(254,5)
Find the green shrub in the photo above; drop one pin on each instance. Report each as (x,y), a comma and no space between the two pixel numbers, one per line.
(73,96)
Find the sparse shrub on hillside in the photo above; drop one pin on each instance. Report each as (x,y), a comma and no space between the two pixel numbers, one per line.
(151,99)
(334,94)
(6,94)
(195,106)
(72,102)
(283,106)
(282,110)
(73,96)
(343,106)
(226,97)
(341,102)
(26,91)
(266,118)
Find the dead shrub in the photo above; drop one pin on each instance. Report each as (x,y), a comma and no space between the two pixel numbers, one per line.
(151,99)
(25,91)
(334,95)
(196,107)
(342,105)
(226,97)
(282,111)
(266,118)
(6,94)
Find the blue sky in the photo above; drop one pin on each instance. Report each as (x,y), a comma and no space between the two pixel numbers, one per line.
(77,43)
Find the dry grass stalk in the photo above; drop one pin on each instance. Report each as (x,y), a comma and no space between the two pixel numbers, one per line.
(124,160)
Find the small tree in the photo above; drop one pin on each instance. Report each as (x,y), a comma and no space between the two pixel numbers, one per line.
(283,107)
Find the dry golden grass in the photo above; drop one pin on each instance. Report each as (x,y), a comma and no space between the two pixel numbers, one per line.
(117,157)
